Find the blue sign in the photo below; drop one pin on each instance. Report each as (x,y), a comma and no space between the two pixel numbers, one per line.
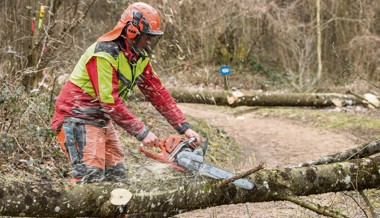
(225,70)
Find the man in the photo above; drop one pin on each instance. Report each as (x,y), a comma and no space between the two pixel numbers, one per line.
(105,76)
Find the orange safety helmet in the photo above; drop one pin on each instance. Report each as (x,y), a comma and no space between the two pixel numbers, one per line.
(148,23)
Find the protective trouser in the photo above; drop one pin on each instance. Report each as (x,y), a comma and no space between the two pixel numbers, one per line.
(95,153)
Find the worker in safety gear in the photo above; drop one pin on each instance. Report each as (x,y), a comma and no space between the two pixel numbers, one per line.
(93,96)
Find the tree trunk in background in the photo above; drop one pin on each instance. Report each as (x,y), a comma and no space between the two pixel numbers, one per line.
(319,41)
(94,200)
(237,98)
(30,49)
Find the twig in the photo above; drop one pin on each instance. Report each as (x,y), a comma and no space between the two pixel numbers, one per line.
(351,69)
(323,210)
(360,97)
(18,144)
(52,94)
(242,175)
(357,203)
(364,196)
(249,214)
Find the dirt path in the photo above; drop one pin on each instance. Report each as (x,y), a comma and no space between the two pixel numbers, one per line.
(277,142)
(274,141)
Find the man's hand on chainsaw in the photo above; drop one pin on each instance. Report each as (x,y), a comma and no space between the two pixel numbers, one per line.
(150,140)
(189,133)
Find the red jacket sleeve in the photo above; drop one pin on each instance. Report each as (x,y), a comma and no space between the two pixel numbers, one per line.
(152,88)
(116,110)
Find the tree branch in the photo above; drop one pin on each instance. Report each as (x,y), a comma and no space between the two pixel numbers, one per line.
(323,210)
(371,208)
(242,175)
(356,202)
(351,69)
(365,150)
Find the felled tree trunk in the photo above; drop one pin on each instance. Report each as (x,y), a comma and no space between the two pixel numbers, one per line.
(237,98)
(21,198)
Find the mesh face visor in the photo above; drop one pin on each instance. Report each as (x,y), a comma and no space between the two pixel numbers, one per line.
(146,43)
(152,41)
(148,38)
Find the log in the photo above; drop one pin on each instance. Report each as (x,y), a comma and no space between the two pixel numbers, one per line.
(59,199)
(365,150)
(238,98)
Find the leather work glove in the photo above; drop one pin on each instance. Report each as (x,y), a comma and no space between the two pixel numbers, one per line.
(150,140)
(189,133)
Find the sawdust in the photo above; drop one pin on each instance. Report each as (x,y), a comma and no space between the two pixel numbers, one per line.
(277,142)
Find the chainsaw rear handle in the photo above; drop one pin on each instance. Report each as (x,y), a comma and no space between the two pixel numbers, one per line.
(164,154)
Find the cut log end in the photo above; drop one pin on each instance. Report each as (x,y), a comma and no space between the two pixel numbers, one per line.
(120,196)
(235,95)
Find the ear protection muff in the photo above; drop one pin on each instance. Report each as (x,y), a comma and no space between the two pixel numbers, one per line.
(133,27)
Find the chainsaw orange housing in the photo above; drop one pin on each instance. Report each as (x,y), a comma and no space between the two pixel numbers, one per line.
(166,146)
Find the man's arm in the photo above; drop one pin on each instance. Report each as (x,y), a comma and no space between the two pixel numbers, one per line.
(152,88)
(150,85)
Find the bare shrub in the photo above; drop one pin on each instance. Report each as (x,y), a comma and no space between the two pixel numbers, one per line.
(365,55)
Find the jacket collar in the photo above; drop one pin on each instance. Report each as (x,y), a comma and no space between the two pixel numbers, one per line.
(131,56)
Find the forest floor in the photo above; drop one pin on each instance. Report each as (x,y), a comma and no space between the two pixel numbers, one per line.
(282,139)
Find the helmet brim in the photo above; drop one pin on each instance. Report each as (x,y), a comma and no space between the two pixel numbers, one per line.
(153,33)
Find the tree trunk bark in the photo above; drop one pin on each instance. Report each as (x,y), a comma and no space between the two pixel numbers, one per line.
(28,198)
(319,41)
(237,98)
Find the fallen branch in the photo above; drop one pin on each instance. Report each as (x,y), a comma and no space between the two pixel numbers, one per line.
(356,202)
(365,150)
(368,203)
(373,103)
(323,210)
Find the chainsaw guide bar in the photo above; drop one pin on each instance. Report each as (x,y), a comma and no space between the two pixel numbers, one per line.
(183,155)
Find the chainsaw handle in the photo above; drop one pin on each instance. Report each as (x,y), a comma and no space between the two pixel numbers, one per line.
(162,156)
(166,154)
(192,141)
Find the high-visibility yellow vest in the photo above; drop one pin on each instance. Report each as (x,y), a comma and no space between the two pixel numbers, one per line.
(108,57)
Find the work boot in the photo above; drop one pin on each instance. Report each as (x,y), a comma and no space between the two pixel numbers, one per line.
(116,173)
(94,174)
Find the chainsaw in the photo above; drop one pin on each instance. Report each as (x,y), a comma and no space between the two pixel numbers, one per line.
(183,155)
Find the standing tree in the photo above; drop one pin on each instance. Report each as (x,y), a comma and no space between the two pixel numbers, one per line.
(36,33)
(319,40)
